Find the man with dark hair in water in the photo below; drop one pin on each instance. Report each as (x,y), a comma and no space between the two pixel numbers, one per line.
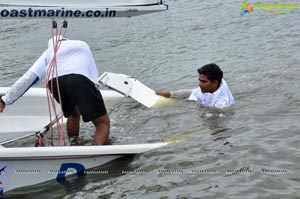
(212,91)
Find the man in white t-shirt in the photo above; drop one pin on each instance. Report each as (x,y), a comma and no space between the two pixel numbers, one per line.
(212,91)
(78,80)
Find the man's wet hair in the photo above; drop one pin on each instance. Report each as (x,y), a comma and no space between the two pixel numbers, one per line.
(212,72)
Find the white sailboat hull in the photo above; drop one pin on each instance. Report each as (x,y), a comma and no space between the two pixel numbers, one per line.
(20,167)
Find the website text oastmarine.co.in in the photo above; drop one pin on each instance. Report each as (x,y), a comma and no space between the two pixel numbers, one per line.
(48,13)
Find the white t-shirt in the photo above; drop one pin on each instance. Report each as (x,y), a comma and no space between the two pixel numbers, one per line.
(221,98)
(73,57)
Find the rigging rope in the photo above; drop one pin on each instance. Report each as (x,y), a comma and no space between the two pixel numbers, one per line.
(51,76)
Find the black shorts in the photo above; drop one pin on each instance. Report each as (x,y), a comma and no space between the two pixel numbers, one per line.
(77,90)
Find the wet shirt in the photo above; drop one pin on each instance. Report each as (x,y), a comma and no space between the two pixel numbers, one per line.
(221,98)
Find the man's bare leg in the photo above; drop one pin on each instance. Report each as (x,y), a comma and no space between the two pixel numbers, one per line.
(73,123)
(102,125)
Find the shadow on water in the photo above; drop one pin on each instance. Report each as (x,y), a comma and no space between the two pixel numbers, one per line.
(74,183)
(217,123)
